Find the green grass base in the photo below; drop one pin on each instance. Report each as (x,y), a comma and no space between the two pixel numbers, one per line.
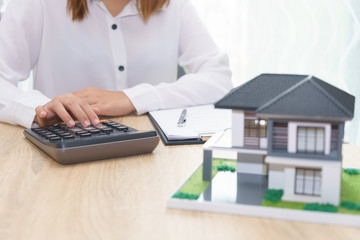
(195,186)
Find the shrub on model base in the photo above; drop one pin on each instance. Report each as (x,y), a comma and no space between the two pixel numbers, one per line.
(273,195)
(183,195)
(320,207)
(225,168)
(350,205)
(352,171)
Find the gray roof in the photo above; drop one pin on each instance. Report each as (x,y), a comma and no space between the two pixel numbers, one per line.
(290,95)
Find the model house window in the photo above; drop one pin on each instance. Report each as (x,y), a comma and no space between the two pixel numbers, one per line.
(311,140)
(280,136)
(334,137)
(308,181)
(254,127)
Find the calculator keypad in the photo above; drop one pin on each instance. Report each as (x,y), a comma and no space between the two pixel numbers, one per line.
(60,131)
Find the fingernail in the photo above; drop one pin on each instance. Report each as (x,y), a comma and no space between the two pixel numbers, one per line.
(42,114)
(96,121)
(71,123)
(86,123)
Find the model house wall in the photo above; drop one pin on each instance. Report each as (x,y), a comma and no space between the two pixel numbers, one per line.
(251,163)
(305,180)
(237,128)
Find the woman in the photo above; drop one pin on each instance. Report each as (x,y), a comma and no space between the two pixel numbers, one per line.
(109,57)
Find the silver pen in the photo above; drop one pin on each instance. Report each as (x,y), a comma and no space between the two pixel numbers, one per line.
(182,119)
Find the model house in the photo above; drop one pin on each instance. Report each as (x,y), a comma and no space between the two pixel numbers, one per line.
(290,128)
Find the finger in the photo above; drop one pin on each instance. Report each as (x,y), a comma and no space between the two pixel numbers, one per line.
(96,109)
(84,113)
(78,113)
(91,114)
(41,111)
(61,112)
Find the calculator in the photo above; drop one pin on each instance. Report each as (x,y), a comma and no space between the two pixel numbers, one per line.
(109,139)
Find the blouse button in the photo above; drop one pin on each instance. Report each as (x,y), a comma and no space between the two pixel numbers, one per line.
(114,26)
(121,68)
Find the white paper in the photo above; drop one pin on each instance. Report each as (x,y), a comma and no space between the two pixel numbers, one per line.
(201,121)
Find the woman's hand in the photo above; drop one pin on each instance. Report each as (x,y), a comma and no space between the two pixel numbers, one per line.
(66,108)
(109,103)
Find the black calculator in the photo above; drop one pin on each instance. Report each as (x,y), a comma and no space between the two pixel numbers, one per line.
(78,144)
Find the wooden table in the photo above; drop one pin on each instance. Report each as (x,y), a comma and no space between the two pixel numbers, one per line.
(124,198)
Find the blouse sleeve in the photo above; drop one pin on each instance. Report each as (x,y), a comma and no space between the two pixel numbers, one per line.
(208,75)
(20,40)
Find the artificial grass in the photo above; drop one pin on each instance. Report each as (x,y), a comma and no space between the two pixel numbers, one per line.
(195,185)
(284,204)
(350,192)
(350,187)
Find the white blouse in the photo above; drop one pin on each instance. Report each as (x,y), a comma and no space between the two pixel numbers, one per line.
(113,53)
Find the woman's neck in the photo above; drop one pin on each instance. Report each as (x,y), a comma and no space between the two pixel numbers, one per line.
(115,6)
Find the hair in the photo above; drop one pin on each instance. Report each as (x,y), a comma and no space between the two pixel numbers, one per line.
(79,8)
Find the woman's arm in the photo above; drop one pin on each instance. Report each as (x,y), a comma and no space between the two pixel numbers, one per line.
(21,32)
(208,75)
(20,39)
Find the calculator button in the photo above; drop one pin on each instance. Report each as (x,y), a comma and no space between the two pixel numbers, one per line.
(81,132)
(101,126)
(76,129)
(69,137)
(87,134)
(95,131)
(51,135)
(115,125)
(44,132)
(65,134)
(88,128)
(107,130)
(55,138)
(122,128)
(111,123)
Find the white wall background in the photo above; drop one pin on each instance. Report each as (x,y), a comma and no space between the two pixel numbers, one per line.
(317,37)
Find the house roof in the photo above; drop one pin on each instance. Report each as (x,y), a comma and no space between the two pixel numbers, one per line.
(290,95)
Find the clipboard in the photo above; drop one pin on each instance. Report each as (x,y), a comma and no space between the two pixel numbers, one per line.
(168,142)
(202,122)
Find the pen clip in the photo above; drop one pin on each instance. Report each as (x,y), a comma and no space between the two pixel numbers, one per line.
(182,119)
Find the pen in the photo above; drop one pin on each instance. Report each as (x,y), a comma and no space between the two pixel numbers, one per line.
(182,119)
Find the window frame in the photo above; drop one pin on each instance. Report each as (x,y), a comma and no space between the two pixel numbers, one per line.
(292,135)
(315,139)
(253,123)
(314,179)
